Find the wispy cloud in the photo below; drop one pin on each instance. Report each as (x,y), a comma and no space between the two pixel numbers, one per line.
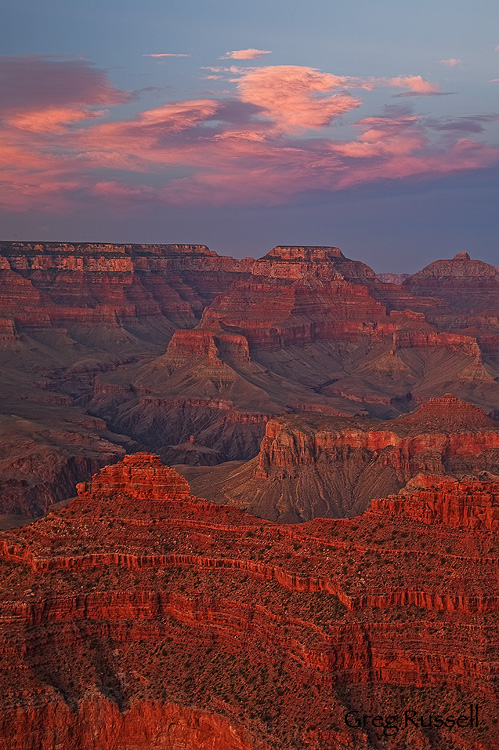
(167,54)
(266,139)
(295,97)
(416,85)
(451,62)
(246,54)
(466,124)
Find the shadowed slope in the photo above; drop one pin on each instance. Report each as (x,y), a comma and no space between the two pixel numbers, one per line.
(311,466)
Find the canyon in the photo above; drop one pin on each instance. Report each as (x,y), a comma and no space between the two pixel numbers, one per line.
(142,616)
(108,349)
(312,466)
(242,500)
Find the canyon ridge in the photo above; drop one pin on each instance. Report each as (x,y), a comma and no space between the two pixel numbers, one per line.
(247,504)
(113,349)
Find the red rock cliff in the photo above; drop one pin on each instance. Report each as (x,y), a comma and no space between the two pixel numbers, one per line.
(139,614)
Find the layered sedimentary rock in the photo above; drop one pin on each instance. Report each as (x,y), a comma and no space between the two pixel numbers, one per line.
(465,284)
(309,331)
(165,342)
(316,466)
(392,278)
(63,283)
(470,504)
(142,616)
(67,313)
(42,459)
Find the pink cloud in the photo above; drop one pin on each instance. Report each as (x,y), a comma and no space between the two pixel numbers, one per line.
(293,97)
(51,119)
(247,146)
(451,62)
(167,54)
(415,84)
(246,54)
(45,95)
(180,115)
(143,143)
(381,136)
(33,83)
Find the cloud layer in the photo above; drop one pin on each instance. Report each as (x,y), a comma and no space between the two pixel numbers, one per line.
(274,134)
(167,54)
(245,54)
(451,62)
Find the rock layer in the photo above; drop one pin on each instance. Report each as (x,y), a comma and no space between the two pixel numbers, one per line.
(148,345)
(141,615)
(310,466)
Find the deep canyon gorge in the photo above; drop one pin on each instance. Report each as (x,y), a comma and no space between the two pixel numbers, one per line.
(241,498)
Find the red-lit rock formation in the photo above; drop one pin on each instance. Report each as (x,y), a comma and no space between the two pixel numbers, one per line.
(277,314)
(311,466)
(465,284)
(141,476)
(295,262)
(162,342)
(61,283)
(141,616)
(470,504)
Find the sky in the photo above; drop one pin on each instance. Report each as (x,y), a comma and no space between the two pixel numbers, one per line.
(372,126)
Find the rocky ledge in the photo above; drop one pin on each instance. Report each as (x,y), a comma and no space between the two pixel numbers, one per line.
(142,616)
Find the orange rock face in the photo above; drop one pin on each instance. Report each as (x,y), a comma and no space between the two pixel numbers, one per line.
(107,349)
(141,476)
(474,505)
(323,466)
(141,616)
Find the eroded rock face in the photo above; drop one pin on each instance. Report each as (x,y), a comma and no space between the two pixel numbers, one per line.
(148,345)
(470,504)
(465,284)
(142,616)
(316,466)
(141,476)
(62,283)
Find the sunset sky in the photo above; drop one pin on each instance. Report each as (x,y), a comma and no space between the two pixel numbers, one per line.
(373,126)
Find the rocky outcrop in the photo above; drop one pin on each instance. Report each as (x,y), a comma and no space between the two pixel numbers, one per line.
(414,339)
(98,723)
(63,283)
(470,504)
(141,615)
(205,343)
(162,342)
(312,466)
(465,284)
(141,476)
(295,262)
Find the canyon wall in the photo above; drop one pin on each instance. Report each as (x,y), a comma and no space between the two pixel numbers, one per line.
(313,465)
(176,349)
(143,616)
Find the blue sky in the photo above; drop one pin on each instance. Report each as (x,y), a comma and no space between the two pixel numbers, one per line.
(372,126)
